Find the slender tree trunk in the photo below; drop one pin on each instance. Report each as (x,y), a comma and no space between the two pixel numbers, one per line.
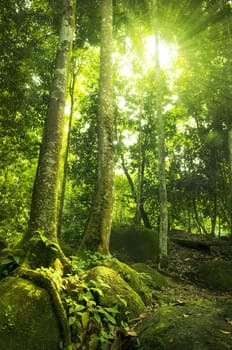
(140,137)
(163,224)
(199,223)
(66,153)
(230,178)
(43,216)
(143,213)
(214,213)
(98,228)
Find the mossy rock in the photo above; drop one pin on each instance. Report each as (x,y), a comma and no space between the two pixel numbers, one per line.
(194,326)
(135,280)
(115,292)
(151,276)
(134,243)
(216,275)
(27,318)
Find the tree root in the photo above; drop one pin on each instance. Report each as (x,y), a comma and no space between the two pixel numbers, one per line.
(42,279)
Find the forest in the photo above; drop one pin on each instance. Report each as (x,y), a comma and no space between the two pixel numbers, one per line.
(116,175)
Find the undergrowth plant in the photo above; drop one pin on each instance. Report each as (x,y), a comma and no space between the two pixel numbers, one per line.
(91,324)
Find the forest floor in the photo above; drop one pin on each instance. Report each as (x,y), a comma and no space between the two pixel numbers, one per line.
(196,307)
(185,261)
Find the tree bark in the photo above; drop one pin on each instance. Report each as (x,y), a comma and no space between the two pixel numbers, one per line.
(66,153)
(142,211)
(44,206)
(98,227)
(230,178)
(163,224)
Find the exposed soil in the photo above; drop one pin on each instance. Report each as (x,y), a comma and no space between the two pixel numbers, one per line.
(195,311)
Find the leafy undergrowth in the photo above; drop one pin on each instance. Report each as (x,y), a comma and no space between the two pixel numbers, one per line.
(110,306)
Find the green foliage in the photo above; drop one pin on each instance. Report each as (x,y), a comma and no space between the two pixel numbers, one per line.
(10,260)
(86,317)
(197,123)
(90,260)
(26,32)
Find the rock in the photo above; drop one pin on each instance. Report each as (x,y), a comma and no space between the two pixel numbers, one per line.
(134,243)
(216,275)
(115,292)
(196,326)
(27,318)
(135,280)
(152,277)
(188,243)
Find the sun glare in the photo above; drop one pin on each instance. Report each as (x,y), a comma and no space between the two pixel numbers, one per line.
(167,55)
(167,52)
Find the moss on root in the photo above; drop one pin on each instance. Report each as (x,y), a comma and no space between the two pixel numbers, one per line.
(27,319)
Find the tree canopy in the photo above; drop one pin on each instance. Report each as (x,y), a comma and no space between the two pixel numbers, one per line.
(194,85)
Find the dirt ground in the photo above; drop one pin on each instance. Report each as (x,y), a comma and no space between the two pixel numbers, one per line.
(194,312)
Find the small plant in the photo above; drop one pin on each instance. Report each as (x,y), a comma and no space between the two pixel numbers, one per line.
(90,260)
(12,260)
(89,322)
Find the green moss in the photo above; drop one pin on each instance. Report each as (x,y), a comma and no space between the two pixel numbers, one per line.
(115,292)
(217,275)
(151,276)
(27,319)
(132,277)
(188,326)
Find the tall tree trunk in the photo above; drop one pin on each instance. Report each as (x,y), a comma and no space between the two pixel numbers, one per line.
(163,224)
(230,178)
(140,136)
(66,153)
(98,227)
(43,215)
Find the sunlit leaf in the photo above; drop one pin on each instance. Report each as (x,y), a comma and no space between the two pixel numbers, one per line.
(71,320)
(85,319)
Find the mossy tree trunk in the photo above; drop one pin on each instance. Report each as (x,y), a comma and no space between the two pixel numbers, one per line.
(44,206)
(67,146)
(230,177)
(98,227)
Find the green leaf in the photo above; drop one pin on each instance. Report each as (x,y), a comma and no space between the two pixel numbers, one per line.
(79,308)
(71,320)
(110,318)
(85,319)
(69,347)
(122,300)
(6,261)
(112,310)
(97,318)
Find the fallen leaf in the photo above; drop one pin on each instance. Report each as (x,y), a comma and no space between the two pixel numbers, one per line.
(179,302)
(225,332)
(132,333)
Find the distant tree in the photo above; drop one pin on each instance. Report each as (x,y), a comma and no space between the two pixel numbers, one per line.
(163,223)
